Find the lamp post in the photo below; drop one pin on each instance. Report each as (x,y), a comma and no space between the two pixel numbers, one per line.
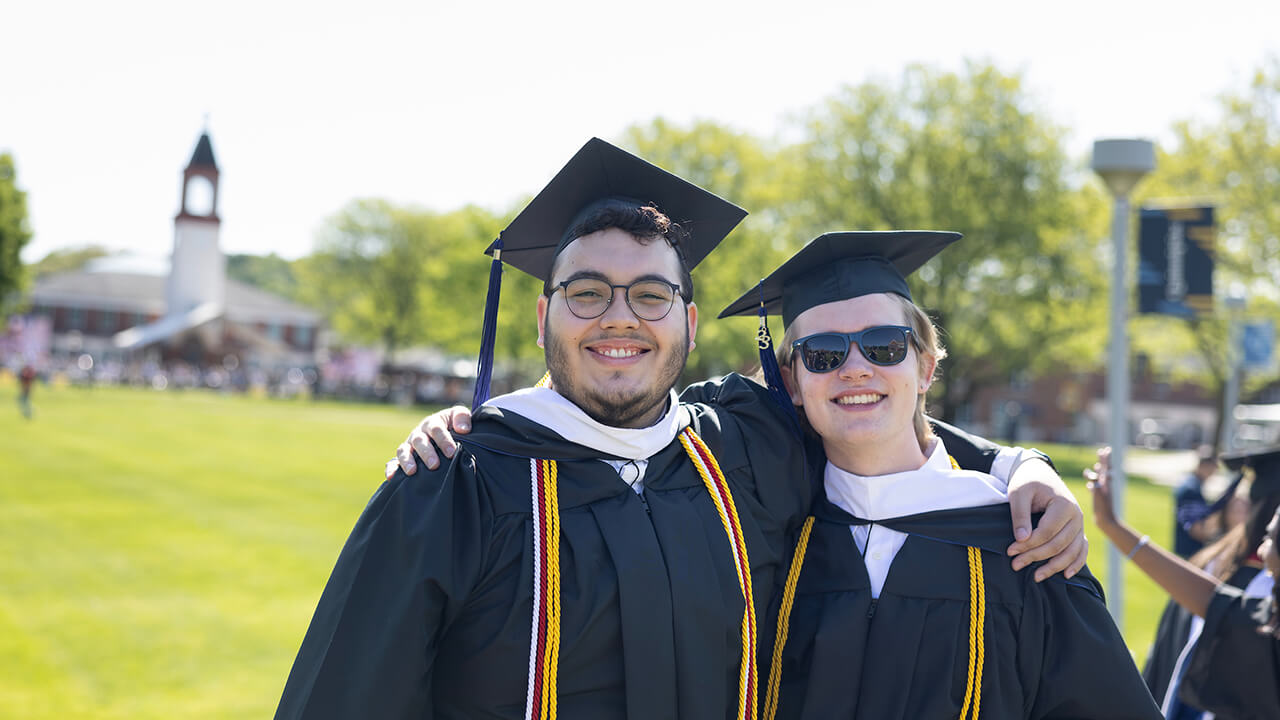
(1120,164)
(1234,303)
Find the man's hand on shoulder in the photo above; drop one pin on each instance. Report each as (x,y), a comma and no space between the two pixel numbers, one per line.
(1059,538)
(431,439)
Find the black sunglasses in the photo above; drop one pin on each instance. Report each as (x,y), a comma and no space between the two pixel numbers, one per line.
(827,351)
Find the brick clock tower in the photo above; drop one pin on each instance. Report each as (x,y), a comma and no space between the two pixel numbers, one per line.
(198,273)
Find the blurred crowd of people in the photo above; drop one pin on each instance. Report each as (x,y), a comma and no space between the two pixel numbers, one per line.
(397,385)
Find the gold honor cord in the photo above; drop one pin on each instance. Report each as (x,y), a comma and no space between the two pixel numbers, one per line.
(544,642)
(784,619)
(544,645)
(718,489)
(977,618)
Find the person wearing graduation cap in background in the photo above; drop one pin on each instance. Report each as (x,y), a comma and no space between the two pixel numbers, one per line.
(672,517)
(897,602)
(1233,560)
(1232,668)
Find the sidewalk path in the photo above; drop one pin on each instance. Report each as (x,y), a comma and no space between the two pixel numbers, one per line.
(1170,467)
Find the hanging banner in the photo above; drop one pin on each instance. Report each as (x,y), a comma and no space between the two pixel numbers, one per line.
(1259,341)
(1175,261)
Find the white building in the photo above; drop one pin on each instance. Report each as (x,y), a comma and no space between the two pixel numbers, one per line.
(190,311)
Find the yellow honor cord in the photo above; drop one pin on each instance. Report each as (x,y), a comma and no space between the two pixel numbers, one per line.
(977,619)
(544,646)
(784,619)
(712,477)
(544,643)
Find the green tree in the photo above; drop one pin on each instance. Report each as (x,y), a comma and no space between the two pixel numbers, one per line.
(66,260)
(402,276)
(14,232)
(1233,163)
(267,272)
(968,152)
(365,273)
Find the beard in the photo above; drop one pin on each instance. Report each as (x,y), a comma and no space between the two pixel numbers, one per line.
(620,407)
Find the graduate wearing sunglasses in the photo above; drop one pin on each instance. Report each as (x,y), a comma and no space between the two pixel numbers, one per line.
(898,602)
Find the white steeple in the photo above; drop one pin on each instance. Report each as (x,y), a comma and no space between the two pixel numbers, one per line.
(198,274)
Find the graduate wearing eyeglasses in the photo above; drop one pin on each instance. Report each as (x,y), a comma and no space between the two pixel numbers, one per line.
(898,602)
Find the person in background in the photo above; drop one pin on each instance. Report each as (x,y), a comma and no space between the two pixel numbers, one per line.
(1193,527)
(26,378)
(1233,559)
(1232,669)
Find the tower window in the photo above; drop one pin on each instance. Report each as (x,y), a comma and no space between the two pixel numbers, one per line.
(199,196)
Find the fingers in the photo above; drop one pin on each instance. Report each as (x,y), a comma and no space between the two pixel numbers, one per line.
(1081,549)
(436,429)
(422,444)
(1020,507)
(1059,527)
(1068,562)
(459,419)
(404,457)
(391,468)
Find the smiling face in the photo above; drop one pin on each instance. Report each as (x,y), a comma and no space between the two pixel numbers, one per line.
(618,368)
(864,412)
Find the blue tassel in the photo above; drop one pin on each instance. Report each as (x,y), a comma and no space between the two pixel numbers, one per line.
(484,366)
(773,374)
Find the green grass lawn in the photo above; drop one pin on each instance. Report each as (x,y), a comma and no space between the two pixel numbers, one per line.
(163,552)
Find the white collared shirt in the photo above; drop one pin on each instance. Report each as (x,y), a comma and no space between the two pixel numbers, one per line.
(934,486)
(549,408)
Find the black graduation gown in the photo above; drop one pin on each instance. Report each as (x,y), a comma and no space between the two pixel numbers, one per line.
(1051,649)
(1234,670)
(1171,637)
(427,612)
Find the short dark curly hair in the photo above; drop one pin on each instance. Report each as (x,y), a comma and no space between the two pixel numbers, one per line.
(643,222)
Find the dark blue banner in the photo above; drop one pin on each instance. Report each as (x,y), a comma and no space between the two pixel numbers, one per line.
(1175,261)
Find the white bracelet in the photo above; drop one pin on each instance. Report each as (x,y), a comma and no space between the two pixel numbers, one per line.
(1142,541)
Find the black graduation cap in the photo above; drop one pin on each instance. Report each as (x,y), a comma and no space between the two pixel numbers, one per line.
(599,175)
(832,267)
(1265,463)
(841,265)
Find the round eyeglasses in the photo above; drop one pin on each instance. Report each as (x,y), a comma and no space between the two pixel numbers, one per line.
(589,298)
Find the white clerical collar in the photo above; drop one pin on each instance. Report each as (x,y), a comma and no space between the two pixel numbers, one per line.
(934,486)
(549,408)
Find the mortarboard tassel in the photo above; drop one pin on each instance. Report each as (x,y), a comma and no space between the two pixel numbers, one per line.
(773,374)
(484,366)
